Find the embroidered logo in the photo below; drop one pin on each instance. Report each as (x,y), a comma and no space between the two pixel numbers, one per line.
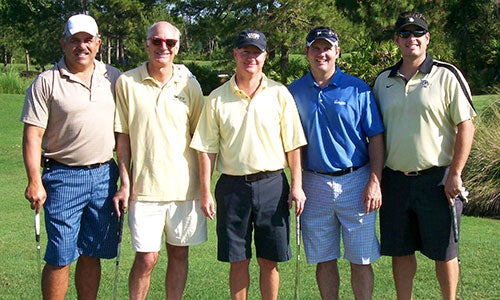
(180,98)
(424,83)
(389,85)
(253,35)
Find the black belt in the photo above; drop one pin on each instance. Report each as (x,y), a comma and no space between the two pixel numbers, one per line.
(339,173)
(259,176)
(421,172)
(49,162)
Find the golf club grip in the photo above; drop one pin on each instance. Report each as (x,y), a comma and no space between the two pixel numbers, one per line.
(454,222)
(120,225)
(297,229)
(37,227)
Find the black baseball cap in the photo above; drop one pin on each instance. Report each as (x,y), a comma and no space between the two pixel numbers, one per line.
(322,32)
(251,37)
(410,19)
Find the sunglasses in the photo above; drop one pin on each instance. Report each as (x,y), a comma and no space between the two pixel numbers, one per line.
(158,41)
(416,33)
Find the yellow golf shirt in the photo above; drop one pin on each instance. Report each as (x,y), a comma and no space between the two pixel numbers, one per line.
(249,135)
(160,121)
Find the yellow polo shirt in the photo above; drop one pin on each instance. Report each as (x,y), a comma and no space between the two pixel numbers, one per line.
(249,135)
(160,121)
(421,115)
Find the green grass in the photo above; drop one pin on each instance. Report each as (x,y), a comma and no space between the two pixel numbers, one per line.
(482,101)
(207,277)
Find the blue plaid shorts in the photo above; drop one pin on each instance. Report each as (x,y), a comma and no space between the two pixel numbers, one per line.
(79,213)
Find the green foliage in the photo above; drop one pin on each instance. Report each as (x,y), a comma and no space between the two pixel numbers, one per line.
(468,38)
(482,173)
(207,76)
(12,83)
(476,41)
(368,58)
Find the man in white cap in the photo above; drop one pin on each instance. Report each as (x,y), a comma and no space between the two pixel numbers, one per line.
(68,113)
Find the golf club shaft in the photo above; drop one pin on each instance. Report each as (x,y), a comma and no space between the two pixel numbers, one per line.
(297,262)
(37,240)
(117,263)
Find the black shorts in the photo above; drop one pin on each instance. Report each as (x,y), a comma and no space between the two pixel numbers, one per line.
(415,215)
(260,206)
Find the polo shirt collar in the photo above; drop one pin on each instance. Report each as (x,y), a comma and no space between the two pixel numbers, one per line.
(238,91)
(425,67)
(143,71)
(64,71)
(334,81)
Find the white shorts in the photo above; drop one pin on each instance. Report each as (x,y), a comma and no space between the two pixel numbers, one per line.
(182,221)
(334,208)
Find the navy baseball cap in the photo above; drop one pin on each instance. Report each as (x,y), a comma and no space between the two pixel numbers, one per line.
(406,19)
(251,37)
(322,32)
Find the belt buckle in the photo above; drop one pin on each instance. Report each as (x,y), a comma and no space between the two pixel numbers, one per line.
(249,177)
(412,173)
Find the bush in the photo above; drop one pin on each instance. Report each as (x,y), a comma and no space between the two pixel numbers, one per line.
(482,172)
(12,83)
(207,76)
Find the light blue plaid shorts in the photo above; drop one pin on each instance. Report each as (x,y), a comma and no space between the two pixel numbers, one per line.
(334,208)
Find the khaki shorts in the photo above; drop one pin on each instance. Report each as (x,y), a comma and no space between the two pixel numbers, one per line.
(182,221)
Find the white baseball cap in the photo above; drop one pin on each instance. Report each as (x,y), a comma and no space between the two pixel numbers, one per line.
(80,23)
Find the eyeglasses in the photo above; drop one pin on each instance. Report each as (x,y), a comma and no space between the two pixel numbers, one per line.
(158,41)
(416,33)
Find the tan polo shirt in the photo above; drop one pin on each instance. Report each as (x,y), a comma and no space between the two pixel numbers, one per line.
(249,135)
(78,119)
(160,121)
(421,116)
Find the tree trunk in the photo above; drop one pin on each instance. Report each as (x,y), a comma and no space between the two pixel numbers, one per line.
(108,51)
(27,56)
(5,58)
(284,63)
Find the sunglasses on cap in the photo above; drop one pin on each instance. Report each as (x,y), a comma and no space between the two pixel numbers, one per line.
(416,33)
(157,41)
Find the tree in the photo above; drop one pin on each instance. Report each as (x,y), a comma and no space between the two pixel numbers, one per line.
(476,41)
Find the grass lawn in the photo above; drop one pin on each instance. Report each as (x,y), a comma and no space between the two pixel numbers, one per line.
(208,279)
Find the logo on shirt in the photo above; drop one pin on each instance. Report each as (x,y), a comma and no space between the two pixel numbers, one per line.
(180,98)
(424,83)
(339,102)
(389,85)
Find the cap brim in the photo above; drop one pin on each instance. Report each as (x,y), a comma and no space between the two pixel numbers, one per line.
(308,44)
(251,44)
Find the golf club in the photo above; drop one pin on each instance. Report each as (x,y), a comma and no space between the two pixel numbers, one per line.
(463,197)
(297,262)
(454,222)
(37,239)
(117,263)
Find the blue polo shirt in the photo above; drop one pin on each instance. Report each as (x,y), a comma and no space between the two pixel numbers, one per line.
(337,120)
